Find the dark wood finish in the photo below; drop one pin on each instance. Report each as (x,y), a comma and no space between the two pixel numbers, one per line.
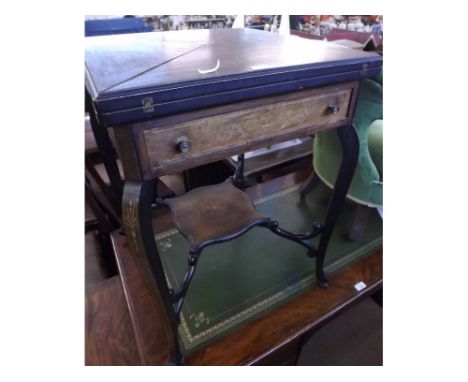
(103,194)
(162,189)
(274,338)
(211,212)
(136,217)
(126,148)
(257,342)
(286,355)
(103,215)
(230,132)
(145,76)
(106,151)
(361,215)
(150,335)
(170,58)
(127,142)
(109,336)
(311,182)
(105,225)
(101,171)
(378,297)
(350,146)
(265,103)
(94,268)
(241,106)
(225,131)
(211,173)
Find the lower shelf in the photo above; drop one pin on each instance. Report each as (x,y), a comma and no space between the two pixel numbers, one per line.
(240,280)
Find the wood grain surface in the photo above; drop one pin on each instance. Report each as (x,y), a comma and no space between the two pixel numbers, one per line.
(109,338)
(260,341)
(256,126)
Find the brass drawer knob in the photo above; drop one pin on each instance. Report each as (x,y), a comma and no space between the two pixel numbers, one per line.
(183,144)
(333,109)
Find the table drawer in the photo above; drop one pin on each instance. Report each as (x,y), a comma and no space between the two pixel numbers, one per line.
(218,136)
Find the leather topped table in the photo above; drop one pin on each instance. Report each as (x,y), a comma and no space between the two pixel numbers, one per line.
(177,100)
(272,338)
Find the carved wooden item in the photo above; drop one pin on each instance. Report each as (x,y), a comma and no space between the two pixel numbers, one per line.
(168,116)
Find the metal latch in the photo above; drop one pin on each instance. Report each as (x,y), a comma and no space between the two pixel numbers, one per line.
(148,106)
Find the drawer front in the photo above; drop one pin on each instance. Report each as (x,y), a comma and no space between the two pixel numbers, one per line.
(249,128)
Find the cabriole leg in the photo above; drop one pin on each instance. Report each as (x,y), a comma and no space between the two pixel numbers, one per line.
(350,144)
(136,216)
(309,184)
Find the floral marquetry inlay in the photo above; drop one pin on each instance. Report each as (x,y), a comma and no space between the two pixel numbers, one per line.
(219,133)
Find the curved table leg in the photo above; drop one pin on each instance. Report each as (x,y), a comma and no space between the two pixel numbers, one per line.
(350,144)
(309,184)
(136,217)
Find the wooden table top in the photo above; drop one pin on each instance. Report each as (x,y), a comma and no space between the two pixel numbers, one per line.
(130,62)
(141,76)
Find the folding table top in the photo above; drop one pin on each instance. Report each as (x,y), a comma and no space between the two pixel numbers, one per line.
(144,75)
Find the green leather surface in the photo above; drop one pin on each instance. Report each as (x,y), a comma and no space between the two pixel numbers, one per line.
(366,187)
(238,280)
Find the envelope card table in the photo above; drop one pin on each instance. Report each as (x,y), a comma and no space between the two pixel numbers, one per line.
(177,100)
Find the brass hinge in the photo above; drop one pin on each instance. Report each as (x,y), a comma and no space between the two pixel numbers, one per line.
(148,106)
(364,69)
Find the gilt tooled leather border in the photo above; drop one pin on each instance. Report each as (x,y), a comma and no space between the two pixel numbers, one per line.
(191,340)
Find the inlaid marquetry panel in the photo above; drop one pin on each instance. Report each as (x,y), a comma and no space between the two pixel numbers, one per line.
(250,127)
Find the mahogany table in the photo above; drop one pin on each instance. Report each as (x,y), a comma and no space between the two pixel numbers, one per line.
(177,100)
